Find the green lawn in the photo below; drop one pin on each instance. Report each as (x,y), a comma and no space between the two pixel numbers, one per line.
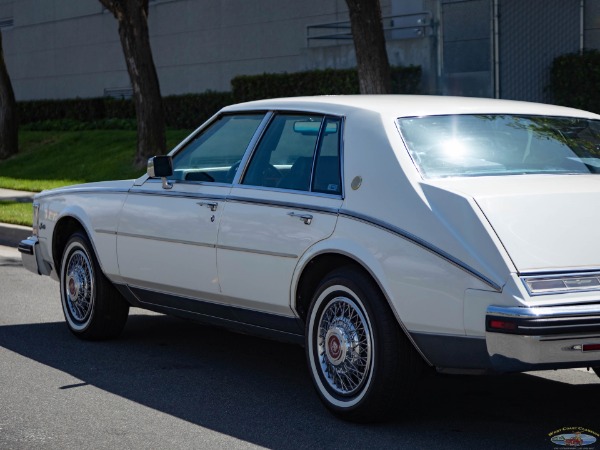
(16,213)
(49,159)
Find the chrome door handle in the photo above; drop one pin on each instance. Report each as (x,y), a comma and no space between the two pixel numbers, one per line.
(210,205)
(306,218)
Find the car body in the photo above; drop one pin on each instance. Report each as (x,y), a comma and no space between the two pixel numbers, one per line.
(386,233)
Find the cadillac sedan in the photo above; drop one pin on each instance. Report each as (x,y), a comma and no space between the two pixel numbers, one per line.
(385,234)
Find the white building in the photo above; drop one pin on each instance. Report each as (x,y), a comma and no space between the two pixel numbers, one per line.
(490,48)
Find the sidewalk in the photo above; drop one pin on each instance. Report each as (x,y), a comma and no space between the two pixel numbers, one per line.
(9,256)
(11,235)
(16,196)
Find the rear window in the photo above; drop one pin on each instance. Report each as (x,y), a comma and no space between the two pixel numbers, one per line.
(484,145)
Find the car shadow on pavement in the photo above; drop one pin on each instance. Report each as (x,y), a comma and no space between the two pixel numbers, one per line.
(259,391)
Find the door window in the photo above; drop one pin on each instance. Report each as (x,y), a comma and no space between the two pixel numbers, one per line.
(285,156)
(214,155)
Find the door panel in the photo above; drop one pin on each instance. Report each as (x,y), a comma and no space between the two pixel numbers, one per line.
(288,200)
(166,238)
(262,235)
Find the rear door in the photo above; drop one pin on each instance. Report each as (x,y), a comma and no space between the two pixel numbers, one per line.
(286,200)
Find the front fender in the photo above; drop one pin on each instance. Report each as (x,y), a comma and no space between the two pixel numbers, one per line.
(96,215)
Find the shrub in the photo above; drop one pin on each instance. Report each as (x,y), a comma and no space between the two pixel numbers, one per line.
(76,109)
(190,110)
(575,80)
(405,80)
(76,125)
(181,112)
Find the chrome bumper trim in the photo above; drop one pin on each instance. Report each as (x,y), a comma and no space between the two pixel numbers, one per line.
(27,247)
(544,321)
(32,257)
(544,337)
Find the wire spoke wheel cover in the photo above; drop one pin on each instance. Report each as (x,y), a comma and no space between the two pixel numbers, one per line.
(344,346)
(93,308)
(78,286)
(340,346)
(361,364)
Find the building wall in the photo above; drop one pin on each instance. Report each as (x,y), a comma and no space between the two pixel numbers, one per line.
(466,48)
(592,24)
(556,30)
(505,48)
(67,48)
(407,41)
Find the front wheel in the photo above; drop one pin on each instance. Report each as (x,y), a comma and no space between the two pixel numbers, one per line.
(361,364)
(93,308)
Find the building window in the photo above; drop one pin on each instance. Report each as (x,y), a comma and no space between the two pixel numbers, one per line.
(119,93)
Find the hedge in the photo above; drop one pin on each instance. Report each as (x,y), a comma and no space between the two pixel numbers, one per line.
(575,80)
(181,112)
(405,80)
(190,110)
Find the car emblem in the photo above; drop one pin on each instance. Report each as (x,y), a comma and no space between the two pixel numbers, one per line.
(356,182)
(334,347)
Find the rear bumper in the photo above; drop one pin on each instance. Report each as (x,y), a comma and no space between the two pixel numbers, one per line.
(555,337)
(31,257)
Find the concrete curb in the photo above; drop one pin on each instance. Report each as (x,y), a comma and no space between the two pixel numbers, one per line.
(11,235)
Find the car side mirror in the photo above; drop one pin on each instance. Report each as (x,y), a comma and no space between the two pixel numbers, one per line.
(161,166)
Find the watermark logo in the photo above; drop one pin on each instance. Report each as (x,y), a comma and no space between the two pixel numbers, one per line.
(574,437)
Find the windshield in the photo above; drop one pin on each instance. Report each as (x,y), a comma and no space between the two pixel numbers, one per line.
(483,145)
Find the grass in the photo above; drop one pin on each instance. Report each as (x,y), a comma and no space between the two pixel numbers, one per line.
(16,213)
(50,159)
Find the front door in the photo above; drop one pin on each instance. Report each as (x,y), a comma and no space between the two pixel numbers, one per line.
(166,243)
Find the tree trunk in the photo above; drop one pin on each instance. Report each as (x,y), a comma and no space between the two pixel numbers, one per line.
(374,75)
(132,16)
(9,140)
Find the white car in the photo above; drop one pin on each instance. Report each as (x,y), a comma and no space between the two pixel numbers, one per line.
(385,233)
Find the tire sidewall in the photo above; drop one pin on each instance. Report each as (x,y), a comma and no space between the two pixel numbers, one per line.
(331,288)
(77,243)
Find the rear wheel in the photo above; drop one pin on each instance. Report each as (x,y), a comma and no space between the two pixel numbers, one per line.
(93,308)
(361,364)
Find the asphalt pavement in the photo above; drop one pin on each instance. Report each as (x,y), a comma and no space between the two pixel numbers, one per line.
(9,256)
(167,383)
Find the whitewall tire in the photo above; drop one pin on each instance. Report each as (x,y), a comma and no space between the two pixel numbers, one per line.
(93,308)
(361,364)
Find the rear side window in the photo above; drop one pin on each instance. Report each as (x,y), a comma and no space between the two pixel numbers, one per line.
(327,176)
(298,152)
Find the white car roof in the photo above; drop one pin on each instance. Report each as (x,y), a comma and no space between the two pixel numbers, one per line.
(409,105)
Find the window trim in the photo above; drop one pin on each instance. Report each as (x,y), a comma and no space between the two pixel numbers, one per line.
(317,154)
(204,127)
(258,137)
